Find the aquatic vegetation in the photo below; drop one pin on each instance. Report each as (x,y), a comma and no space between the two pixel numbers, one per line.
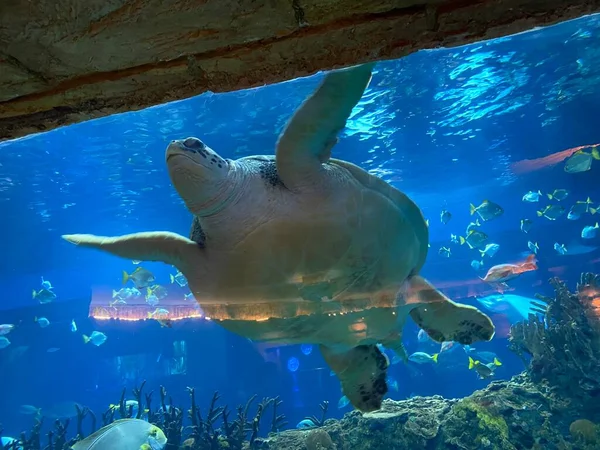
(191,430)
(564,344)
(319,422)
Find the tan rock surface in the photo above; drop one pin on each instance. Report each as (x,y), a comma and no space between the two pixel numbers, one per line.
(66,61)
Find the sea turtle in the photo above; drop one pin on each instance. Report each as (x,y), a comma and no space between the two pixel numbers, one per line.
(304,248)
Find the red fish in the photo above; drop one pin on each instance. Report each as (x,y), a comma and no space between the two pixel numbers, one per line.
(504,272)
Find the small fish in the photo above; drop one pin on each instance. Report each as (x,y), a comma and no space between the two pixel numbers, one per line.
(9,443)
(305,423)
(532,197)
(159,291)
(559,194)
(581,207)
(117,302)
(44,295)
(446,345)
(422,336)
(73,326)
(46,284)
(445,252)
(484,357)
(526,225)
(573,215)
(4,342)
(477,265)
(42,321)
(560,248)
(6,328)
(392,383)
(165,323)
(490,250)
(590,232)
(581,161)
(152,300)
(136,261)
(97,338)
(472,225)
(475,239)
(551,212)
(343,402)
(140,277)
(505,272)
(132,405)
(29,410)
(158,312)
(454,239)
(422,357)
(484,370)
(52,350)
(487,210)
(445,216)
(122,294)
(179,279)
(534,247)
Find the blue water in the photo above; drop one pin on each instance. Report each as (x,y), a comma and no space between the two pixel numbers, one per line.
(448,127)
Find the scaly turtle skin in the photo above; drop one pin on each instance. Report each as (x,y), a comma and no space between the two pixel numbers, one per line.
(304,248)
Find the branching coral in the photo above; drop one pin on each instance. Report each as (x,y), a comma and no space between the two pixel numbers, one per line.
(324,405)
(202,433)
(565,343)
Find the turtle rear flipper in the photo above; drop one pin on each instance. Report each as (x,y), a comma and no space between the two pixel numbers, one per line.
(362,372)
(442,319)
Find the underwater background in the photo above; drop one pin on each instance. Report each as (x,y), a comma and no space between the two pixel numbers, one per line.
(450,128)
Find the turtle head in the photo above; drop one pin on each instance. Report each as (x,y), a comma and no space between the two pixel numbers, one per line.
(202,178)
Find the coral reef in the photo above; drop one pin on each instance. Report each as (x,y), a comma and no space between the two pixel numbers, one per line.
(564,344)
(213,431)
(551,405)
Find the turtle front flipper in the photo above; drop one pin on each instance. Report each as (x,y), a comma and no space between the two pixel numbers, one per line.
(442,319)
(362,372)
(170,248)
(309,136)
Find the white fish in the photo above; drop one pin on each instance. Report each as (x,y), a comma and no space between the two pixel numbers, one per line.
(490,250)
(532,197)
(6,328)
(477,265)
(343,402)
(42,321)
(533,247)
(97,338)
(560,248)
(4,342)
(73,326)
(472,225)
(445,252)
(590,232)
(46,284)
(179,279)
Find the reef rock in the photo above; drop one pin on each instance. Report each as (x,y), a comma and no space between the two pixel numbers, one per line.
(66,61)
(552,405)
